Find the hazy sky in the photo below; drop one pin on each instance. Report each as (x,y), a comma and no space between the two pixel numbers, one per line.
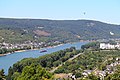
(101,10)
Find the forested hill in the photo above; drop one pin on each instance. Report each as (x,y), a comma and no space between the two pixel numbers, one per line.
(63,30)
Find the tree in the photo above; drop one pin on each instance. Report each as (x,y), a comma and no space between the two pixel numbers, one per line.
(34,72)
(60,70)
(2,75)
(10,71)
(15,75)
(93,77)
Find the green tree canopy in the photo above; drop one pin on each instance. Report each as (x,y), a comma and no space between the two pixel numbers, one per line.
(34,72)
(2,75)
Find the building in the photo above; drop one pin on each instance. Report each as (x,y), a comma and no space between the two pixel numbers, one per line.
(109,46)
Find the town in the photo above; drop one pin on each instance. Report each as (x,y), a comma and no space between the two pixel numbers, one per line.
(10,48)
(110,69)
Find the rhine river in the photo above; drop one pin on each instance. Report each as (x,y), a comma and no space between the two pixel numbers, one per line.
(9,60)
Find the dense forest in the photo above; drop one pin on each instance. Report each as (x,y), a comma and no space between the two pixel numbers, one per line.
(19,30)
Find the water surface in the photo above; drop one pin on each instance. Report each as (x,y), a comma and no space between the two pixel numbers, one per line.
(9,60)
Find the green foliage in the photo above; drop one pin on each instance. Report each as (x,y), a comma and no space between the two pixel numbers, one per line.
(4,50)
(56,63)
(10,73)
(15,76)
(112,42)
(78,74)
(13,35)
(115,76)
(90,61)
(13,30)
(92,77)
(32,72)
(2,75)
(91,45)
(47,61)
(60,70)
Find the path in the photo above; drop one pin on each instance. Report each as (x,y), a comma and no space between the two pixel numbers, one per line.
(64,62)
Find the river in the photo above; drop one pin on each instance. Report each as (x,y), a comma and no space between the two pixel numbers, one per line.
(9,60)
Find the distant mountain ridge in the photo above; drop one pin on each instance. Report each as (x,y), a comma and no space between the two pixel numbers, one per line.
(63,30)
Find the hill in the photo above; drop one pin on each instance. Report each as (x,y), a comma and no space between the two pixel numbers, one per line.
(19,30)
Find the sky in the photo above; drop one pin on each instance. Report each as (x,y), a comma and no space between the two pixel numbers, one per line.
(100,10)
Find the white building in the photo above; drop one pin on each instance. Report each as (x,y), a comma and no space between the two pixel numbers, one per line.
(102,46)
(109,46)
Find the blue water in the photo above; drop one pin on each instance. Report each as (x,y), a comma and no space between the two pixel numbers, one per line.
(9,60)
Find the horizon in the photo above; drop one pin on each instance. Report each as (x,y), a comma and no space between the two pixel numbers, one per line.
(57,19)
(104,11)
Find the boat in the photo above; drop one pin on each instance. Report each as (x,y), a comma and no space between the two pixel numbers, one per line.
(41,51)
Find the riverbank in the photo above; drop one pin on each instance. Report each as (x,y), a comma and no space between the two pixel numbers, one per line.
(5,54)
(9,60)
(39,48)
(11,53)
(15,52)
(29,49)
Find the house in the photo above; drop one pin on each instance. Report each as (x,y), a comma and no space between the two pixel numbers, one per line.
(101,74)
(87,72)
